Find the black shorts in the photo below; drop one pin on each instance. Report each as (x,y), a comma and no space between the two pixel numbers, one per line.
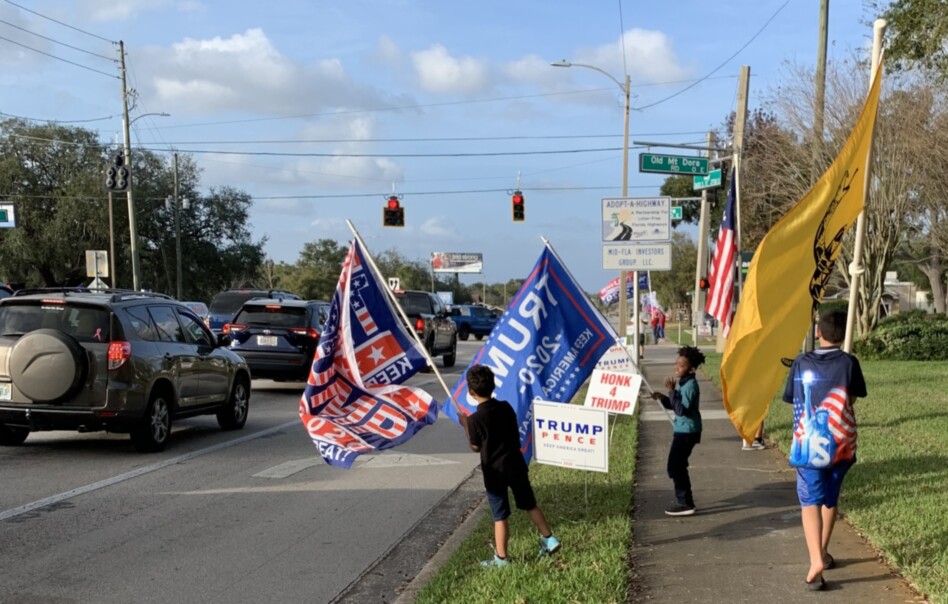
(497,496)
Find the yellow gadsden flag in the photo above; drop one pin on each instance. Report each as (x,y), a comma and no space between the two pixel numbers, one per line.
(788,276)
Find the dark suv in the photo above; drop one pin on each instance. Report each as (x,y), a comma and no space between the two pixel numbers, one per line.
(226,304)
(278,338)
(429,318)
(112,360)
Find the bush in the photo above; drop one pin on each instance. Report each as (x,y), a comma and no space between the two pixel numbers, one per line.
(909,336)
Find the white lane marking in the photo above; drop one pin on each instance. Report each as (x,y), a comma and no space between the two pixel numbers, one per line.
(29,507)
(656,416)
(395,460)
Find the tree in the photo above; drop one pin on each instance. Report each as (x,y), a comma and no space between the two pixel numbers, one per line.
(917,34)
(317,270)
(675,287)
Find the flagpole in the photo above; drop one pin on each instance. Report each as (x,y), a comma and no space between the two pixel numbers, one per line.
(632,358)
(398,307)
(856,268)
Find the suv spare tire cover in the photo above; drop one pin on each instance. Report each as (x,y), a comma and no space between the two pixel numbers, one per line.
(47,365)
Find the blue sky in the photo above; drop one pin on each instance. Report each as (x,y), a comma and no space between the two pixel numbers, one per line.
(361,77)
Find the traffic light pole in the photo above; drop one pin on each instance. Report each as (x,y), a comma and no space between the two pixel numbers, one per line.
(132,229)
(701,268)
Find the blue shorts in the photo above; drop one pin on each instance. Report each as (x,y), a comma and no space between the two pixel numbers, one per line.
(821,487)
(500,503)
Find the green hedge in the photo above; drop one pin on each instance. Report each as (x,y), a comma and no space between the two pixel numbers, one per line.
(909,336)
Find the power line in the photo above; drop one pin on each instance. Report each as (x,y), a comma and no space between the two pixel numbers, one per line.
(414,140)
(368,155)
(33,33)
(58,58)
(728,60)
(48,121)
(73,27)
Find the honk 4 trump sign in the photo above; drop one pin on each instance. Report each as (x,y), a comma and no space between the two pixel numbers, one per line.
(613,392)
(570,436)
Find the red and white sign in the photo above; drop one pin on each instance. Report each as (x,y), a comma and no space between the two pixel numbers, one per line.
(613,391)
(570,436)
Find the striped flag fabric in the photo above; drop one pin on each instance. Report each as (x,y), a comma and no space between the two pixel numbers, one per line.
(355,399)
(721,275)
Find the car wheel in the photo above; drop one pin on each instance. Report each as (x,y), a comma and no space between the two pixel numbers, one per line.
(11,436)
(153,432)
(479,337)
(464,333)
(233,415)
(48,365)
(449,359)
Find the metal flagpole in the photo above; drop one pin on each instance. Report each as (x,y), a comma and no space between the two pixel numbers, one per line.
(401,312)
(856,268)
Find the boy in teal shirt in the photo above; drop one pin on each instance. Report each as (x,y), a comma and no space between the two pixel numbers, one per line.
(683,398)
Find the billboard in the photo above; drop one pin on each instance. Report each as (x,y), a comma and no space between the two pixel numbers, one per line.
(457,262)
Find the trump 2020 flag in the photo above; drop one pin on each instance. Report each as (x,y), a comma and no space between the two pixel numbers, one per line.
(353,402)
(544,347)
(721,274)
(787,278)
(609,294)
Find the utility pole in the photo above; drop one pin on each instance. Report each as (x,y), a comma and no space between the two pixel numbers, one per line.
(701,270)
(740,120)
(132,229)
(819,103)
(177,227)
(112,244)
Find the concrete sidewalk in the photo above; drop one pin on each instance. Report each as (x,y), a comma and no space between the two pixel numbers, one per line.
(745,544)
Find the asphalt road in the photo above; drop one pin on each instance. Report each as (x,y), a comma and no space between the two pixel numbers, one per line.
(247,516)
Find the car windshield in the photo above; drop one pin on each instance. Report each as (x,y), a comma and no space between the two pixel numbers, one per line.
(230,302)
(85,323)
(272,315)
(414,304)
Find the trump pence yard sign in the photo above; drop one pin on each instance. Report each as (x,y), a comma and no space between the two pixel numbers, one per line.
(613,391)
(570,436)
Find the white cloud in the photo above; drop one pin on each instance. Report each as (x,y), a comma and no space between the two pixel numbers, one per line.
(435,227)
(438,71)
(247,73)
(650,57)
(387,52)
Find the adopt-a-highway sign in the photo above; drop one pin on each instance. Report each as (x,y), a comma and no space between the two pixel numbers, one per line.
(613,391)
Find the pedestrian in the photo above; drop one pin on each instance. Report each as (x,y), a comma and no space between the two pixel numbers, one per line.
(661,324)
(492,430)
(683,398)
(655,314)
(758,443)
(822,386)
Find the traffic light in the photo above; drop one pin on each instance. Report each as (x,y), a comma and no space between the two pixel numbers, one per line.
(393,214)
(519,210)
(703,283)
(116,175)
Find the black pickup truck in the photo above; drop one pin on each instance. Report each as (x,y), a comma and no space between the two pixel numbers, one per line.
(429,318)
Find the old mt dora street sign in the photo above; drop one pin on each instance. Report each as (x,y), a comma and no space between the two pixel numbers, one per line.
(672,164)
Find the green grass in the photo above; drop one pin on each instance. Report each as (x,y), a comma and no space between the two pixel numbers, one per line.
(897,493)
(590,513)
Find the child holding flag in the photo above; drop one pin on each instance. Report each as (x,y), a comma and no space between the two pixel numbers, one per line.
(493,432)
(683,398)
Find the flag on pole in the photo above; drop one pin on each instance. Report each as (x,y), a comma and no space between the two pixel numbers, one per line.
(788,276)
(544,347)
(721,275)
(353,402)
(609,294)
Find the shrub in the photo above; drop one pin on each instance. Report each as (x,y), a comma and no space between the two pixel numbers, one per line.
(909,336)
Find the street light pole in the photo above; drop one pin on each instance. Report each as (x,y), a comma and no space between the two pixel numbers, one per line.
(623,275)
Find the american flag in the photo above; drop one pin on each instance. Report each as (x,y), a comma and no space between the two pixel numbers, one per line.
(721,276)
(354,401)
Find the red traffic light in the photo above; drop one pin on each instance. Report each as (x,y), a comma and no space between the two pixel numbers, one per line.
(393,202)
(704,283)
(517,198)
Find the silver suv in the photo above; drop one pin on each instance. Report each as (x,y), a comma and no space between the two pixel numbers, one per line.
(119,361)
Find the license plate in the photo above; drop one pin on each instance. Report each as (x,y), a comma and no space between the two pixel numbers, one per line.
(6,392)
(266,340)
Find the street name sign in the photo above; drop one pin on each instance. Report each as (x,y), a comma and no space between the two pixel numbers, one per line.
(637,256)
(636,219)
(709,180)
(672,164)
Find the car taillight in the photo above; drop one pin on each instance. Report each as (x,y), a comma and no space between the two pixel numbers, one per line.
(228,328)
(118,354)
(419,324)
(306,331)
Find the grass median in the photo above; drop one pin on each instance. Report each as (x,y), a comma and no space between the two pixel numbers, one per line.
(897,493)
(590,512)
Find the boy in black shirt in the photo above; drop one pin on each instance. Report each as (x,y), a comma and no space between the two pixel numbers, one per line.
(493,432)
